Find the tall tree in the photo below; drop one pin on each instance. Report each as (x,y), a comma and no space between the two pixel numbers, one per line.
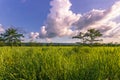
(80,36)
(12,36)
(92,35)
(1,40)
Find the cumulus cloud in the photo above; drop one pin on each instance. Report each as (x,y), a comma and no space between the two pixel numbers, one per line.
(1,28)
(34,35)
(104,20)
(62,21)
(48,40)
(90,18)
(43,32)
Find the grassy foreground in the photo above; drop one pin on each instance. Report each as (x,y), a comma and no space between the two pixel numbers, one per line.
(60,63)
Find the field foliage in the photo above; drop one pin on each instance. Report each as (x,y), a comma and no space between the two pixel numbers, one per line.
(60,63)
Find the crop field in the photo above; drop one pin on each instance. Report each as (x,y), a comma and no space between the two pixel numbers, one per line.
(60,63)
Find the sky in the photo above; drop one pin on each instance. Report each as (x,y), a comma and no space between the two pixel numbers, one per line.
(58,20)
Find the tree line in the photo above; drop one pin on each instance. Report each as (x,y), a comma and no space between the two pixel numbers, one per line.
(12,37)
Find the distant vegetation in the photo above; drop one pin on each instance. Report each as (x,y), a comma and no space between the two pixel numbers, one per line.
(60,63)
(11,37)
(89,37)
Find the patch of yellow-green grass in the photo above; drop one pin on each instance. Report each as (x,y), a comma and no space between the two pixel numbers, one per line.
(60,63)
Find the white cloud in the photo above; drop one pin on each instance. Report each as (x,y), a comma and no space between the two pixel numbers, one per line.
(43,32)
(104,20)
(1,28)
(48,40)
(34,35)
(62,21)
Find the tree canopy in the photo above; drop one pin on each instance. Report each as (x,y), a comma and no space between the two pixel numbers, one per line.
(11,36)
(90,36)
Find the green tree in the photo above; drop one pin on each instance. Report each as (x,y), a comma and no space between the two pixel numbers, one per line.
(92,35)
(1,41)
(81,36)
(11,36)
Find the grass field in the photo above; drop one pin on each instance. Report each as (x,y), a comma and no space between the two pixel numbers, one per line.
(60,63)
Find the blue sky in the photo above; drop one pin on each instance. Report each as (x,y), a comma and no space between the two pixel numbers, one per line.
(31,15)
(83,6)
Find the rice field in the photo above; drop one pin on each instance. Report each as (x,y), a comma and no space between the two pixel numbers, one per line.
(60,63)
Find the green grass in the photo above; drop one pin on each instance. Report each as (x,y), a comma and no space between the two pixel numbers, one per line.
(60,63)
